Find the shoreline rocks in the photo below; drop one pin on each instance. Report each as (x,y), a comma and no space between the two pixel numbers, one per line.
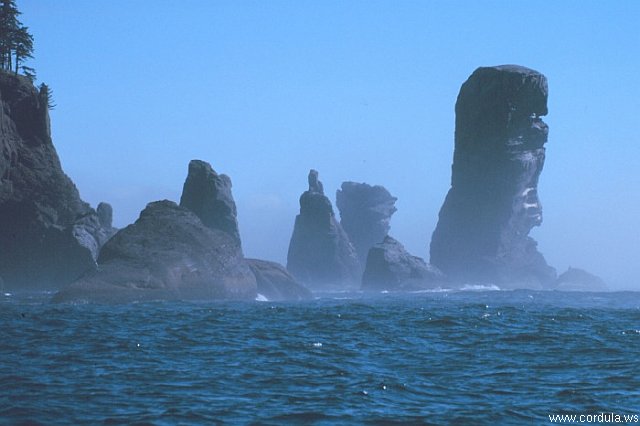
(49,236)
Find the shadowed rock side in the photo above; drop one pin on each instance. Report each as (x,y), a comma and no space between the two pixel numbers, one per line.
(320,254)
(365,213)
(208,195)
(168,253)
(48,235)
(276,283)
(390,267)
(483,227)
(575,279)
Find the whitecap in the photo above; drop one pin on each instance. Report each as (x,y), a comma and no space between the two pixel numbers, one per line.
(480,287)
(261,298)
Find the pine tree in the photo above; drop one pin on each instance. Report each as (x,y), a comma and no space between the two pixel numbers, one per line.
(16,43)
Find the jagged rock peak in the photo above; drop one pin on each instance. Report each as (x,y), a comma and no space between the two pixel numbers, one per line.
(320,253)
(105,214)
(483,227)
(208,195)
(314,183)
(365,214)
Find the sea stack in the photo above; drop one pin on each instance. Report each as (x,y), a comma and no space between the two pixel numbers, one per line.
(492,205)
(320,253)
(208,195)
(365,215)
(48,235)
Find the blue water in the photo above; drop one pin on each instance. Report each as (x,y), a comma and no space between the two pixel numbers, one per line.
(483,357)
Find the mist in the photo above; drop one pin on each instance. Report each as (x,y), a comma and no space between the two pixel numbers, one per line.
(360,92)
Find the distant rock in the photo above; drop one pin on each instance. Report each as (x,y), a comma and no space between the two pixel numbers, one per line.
(167,254)
(574,279)
(208,195)
(276,283)
(320,254)
(483,227)
(365,213)
(390,267)
(48,235)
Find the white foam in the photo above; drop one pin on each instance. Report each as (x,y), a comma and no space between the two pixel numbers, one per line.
(261,298)
(480,287)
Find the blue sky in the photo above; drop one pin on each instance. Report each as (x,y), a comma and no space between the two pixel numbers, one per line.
(359,90)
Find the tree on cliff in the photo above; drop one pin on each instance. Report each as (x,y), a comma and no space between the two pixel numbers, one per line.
(16,43)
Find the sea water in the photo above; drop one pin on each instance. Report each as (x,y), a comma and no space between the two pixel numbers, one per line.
(466,357)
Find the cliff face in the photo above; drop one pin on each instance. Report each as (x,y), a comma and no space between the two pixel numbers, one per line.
(483,227)
(365,215)
(320,253)
(48,235)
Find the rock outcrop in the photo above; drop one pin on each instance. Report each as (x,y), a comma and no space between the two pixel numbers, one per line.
(320,254)
(575,279)
(276,283)
(390,267)
(167,254)
(208,195)
(48,235)
(365,213)
(483,227)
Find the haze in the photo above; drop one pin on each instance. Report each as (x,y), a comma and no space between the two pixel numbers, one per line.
(359,90)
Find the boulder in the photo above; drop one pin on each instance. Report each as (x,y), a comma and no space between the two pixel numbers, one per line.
(483,226)
(167,254)
(275,283)
(575,279)
(365,214)
(320,254)
(390,267)
(208,195)
(49,236)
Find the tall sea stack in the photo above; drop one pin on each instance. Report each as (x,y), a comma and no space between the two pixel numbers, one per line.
(483,227)
(320,253)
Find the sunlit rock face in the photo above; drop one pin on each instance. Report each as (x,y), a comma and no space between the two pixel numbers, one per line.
(483,227)
(48,235)
(320,253)
(365,215)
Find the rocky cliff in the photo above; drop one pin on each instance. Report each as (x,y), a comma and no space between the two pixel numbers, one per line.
(483,227)
(365,215)
(48,235)
(320,254)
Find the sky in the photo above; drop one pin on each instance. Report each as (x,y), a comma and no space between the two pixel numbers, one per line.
(359,90)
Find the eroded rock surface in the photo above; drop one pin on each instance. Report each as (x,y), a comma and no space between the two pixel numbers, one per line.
(48,235)
(208,195)
(320,253)
(276,283)
(390,267)
(365,215)
(167,254)
(484,223)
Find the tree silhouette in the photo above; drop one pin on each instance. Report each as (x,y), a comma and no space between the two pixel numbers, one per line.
(16,43)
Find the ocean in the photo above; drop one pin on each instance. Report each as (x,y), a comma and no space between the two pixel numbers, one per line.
(457,357)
